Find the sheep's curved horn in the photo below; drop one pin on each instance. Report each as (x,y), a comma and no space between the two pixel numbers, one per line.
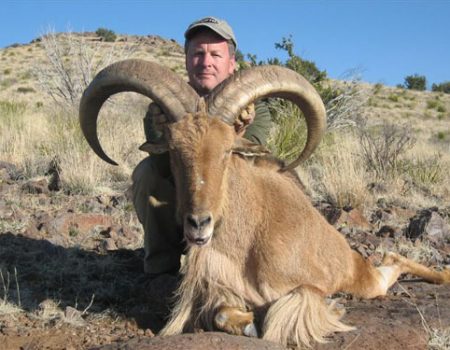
(228,99)
(175,97)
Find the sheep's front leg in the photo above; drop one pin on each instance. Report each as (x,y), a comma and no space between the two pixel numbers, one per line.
(234,320)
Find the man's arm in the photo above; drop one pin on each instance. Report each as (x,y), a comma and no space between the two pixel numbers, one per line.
(259,130)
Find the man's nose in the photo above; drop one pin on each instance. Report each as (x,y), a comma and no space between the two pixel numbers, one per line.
(207,60)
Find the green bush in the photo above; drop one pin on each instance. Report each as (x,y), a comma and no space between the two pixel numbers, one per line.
(416,82)
(25,90)
(425,172)
(393,98)
(441,135)
(377,88)
(289,134)
(432,104)
(443,87)
(441,109)
(106,34)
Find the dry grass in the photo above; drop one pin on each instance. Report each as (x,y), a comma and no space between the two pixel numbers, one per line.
(438,337)
(34,132)
(8,307)
(337,173)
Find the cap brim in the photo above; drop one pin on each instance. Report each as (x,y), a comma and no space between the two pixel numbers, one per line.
(192,29)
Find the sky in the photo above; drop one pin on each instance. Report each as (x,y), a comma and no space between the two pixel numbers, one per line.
(379,41)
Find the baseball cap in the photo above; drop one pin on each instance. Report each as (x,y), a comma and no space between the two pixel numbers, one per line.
(217,25)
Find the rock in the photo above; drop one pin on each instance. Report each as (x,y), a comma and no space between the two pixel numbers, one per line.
(353,219)
(36,186)
(54,171)
(428,223)
(386,231)
(74,316)
(109,244)
(330,212)
(7,171)
(69,223)
(198,341)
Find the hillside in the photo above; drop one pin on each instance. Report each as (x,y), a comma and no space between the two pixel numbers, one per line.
(71,245)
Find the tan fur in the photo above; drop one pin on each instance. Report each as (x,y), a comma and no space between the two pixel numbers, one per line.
(271,251)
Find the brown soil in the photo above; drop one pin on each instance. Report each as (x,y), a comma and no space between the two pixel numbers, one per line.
(72,278)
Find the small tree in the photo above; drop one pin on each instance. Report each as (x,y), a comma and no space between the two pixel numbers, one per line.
(71,64)
(442,87)
(106,34)
(342,103)
(416,82)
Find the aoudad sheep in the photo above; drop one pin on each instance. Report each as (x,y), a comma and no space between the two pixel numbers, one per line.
(261,259)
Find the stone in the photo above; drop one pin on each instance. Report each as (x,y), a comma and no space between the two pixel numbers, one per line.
(353,219)
(428,223)
(36,186)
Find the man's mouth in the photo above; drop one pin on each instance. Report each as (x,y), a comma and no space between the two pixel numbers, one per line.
(204,75)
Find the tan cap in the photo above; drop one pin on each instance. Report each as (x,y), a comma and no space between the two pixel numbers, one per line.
(217,25)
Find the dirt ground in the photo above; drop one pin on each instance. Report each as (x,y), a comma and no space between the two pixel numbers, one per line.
(72,278)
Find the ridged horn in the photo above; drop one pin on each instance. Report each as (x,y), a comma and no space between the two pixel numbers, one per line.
(175,97)
(228,99)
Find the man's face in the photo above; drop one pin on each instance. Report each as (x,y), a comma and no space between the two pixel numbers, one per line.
(208,61)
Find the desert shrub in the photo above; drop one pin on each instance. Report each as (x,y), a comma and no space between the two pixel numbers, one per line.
(416,82)
(438,338)
(106,34)
(383,145)
(25,89)
(7,71)
(11,108)
(26,75)
(71,64)
(432,104)
(442,135)
(437,105)
(8,82)
(441,109)
(393,98)
(343,102)
(443,87)
(424,171)
(377,88)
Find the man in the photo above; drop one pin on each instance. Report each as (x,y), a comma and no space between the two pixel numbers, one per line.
(210,59)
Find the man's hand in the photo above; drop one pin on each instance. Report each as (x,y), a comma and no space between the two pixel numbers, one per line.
(158,118)
(245,119)
(154,122)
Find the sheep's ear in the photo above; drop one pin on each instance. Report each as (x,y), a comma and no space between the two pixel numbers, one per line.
(248,148)
(154,148)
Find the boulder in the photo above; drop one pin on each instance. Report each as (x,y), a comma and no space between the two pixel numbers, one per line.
(429,224)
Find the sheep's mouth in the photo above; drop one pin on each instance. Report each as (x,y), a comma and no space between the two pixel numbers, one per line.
(198,241)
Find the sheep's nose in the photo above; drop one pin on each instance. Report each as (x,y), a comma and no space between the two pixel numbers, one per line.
(198,221)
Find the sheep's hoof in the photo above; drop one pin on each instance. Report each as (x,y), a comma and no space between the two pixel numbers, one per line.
(235,321)
(250,330)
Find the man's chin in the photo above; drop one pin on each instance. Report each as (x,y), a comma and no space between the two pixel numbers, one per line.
(206,86)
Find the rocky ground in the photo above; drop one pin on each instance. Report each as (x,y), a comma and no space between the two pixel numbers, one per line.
(72,277)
